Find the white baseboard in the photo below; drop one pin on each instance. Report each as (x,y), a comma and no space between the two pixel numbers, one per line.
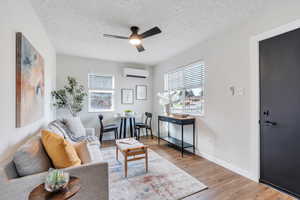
(227,165)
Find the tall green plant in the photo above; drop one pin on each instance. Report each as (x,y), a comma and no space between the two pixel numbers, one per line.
(71,97)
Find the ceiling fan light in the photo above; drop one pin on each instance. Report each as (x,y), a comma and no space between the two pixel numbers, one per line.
(135,41)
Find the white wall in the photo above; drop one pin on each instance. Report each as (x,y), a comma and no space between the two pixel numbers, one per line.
(224,134)
(19,16)
(80,68)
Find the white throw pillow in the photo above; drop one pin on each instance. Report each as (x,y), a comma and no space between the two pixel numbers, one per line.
(88,152)
(75,125)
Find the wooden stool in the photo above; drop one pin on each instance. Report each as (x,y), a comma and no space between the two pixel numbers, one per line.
(132,150)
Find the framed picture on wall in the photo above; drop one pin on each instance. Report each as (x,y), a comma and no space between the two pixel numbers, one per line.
(127,96)
(141,92)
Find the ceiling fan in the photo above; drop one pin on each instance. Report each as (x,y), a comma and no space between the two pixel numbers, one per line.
(135,39)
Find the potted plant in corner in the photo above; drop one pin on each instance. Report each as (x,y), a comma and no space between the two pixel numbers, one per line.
(71,97)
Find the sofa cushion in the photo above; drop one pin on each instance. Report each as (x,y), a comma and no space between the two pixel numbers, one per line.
(88,152)
(61,152)
(76,126)
(31,158)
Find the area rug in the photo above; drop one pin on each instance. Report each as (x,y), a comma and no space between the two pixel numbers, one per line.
(164,181)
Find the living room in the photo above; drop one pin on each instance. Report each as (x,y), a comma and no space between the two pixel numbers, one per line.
(149,99)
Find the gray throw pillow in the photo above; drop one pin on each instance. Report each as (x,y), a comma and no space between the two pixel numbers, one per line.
(31,158)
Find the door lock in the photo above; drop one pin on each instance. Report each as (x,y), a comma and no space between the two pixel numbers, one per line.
(266,112)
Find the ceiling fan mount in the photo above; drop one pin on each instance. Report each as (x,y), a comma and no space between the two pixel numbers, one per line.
(136,39)
(134,29)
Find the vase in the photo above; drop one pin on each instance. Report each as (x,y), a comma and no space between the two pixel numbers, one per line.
(167,109)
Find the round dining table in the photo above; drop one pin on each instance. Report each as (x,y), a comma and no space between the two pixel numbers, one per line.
(125,118)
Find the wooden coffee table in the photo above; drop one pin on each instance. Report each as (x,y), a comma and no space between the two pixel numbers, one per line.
(39,193)
(132,150)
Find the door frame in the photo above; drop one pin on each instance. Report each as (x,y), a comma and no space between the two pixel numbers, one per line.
(255,92)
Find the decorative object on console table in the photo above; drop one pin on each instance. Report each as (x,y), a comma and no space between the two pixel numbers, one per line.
(71,97)
(185,120)
(30,86)
(72,188)
(168,99)
(141,92)
(127,96)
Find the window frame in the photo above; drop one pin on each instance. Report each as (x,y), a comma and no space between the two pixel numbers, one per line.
(166,88)
(108,91)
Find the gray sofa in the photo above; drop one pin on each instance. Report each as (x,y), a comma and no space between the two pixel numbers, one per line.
(93,179)
(93,176)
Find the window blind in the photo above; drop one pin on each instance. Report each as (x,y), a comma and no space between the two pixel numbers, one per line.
(97,82)
(191,76)
(194,76)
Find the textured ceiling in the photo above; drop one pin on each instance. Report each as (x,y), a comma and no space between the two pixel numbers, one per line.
(76,26)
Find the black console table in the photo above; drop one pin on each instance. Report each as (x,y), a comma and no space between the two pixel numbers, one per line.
(179,121)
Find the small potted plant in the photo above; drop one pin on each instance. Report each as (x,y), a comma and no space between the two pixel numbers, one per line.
(128,112)
(56,180)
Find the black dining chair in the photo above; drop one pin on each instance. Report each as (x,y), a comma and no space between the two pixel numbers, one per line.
(107,128)
(147,125)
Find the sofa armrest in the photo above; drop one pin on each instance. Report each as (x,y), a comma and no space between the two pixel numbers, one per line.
(93,179)
(90,132)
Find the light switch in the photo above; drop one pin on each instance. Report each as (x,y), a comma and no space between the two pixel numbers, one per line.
(232,90)
(240,91)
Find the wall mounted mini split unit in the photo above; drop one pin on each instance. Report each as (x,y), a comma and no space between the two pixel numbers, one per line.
(135,73)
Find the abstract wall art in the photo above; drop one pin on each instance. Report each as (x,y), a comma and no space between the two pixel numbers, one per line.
(30,86)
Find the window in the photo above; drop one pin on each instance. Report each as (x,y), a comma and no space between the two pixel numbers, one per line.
(101,93)
(188,82)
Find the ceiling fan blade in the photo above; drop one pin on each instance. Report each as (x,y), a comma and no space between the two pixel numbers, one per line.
(151,32)
(115,36)
(140,48)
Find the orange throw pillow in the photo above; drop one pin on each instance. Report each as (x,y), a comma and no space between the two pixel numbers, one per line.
(61,152)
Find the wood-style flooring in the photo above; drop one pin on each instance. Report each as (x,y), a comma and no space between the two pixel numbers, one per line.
(222,184)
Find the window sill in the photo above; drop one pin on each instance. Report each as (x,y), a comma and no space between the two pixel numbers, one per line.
(99,111)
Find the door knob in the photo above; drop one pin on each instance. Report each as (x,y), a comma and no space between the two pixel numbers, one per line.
(269,123)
